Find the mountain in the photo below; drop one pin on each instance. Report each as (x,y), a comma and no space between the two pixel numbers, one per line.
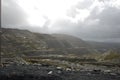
(105,46)
(73,41)
(24,46)
(23,42)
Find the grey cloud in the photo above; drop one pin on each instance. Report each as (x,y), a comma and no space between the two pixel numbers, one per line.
(72,12)
(110,16)
(104,26)
(109,23)
(84,4)
(12,14)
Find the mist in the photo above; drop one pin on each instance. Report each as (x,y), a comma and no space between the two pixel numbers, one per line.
(94,20)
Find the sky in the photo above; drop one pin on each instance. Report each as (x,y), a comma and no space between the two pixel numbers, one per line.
(95,20)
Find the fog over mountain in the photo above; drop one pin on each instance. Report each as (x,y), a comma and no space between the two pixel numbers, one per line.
(97,20)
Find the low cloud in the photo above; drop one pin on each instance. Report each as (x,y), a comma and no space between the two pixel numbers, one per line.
(12,15)
(101,21)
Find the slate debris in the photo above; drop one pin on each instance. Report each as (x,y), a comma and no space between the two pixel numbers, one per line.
(37,72)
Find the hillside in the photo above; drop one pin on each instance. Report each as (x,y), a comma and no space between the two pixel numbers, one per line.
(74,41)
(23,43)
(36,56)
(105,46)
(16,41)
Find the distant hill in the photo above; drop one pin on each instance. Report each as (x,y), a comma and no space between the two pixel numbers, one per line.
(73,41)
(16,42)
(105,46)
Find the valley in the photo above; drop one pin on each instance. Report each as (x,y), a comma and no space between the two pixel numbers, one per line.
(37,56)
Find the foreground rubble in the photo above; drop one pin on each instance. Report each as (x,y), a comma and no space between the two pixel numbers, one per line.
(39,72)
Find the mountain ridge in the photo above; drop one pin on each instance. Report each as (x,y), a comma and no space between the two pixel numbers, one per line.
(15,41)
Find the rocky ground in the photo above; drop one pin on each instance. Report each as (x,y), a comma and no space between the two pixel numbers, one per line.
(40,72)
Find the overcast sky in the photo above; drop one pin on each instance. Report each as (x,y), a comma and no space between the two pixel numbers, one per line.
(88,19)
